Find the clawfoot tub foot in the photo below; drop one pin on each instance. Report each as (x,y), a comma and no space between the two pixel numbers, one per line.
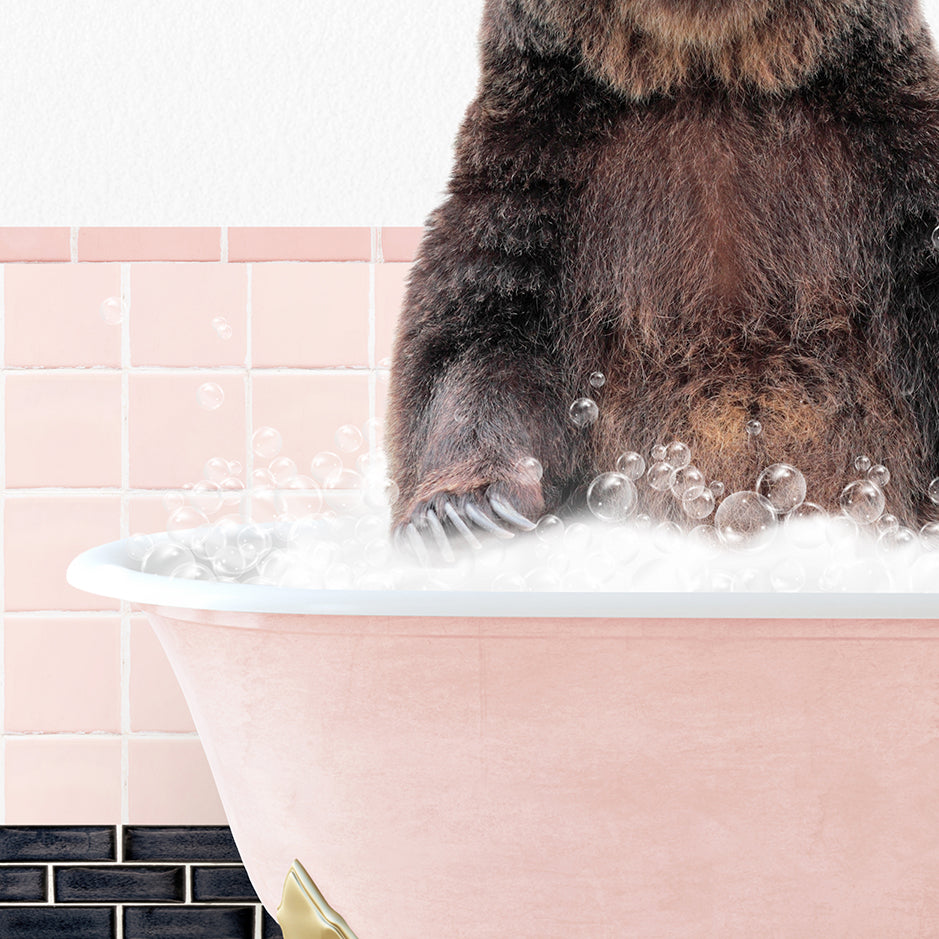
(304,913)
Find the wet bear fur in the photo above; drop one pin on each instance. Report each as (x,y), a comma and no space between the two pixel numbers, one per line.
(726,207)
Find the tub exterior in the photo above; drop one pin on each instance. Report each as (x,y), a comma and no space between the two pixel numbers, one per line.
(543,778)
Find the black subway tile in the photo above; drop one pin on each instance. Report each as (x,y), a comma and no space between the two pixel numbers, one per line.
(178,843)
(188,922)
(119,884)
(51,922)
(57,843)
(270,928)
(222,883)
(25,884)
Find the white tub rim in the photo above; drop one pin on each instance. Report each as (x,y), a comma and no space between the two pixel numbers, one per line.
(103,570)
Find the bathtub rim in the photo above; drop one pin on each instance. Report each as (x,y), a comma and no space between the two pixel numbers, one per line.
(102,570)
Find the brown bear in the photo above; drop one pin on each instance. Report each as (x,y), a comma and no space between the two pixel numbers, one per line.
(724,206)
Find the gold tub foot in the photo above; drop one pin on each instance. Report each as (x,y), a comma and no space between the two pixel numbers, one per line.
(304,913)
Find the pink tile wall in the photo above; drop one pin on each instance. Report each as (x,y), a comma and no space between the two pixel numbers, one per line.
(99,415)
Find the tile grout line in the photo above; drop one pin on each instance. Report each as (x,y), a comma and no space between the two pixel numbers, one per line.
(372,380)
(3,485)
(249,378)
(73,244)
(125,531)
(223,245)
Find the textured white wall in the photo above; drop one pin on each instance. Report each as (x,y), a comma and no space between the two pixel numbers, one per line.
(289,112)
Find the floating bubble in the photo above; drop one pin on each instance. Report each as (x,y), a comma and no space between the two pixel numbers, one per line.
(805,525)
(193,571)
(302,496)
(897,539)
(173,499)
(235,467)
(584,412)
(232,489)
(787,576)
(549,528)
(879,474)
(754,428)
(659,453)
(183,520)
(577,537)
(206,496)
(887,523)
(597,380)
(348,438)
(112,311)
(687,483)
(717,488)
(841,531)
(933,491)
(611,497)
(529,469)
(700,505)
(783,486)
(266,442)
(210,396)
(631,464)
(667,537)
(661,476)
(281,469)
(216,469)
(677,454)
(929,536)
(222,327)
(862,463)
(254,542)
(164,557)
(863,501)
(745,520)
(138,545)
(325,467)
(705,537)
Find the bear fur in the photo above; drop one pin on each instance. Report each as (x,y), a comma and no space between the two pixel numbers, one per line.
(724,206)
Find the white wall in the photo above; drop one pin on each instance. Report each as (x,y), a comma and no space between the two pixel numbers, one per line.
(291,112)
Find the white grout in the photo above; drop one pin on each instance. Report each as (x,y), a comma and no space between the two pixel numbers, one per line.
(126,310)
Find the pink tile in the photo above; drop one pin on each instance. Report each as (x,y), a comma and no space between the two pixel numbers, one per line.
(172,436)
(299,244)
(310,315)
(41,536)
(52,781)
(156,702)
(62,673)
(389,296)
(63,430)
(53,314)
(308,409)
(35,244)
(172,311)
(400,244)
(381,396)
(149,244)
(147,513)
(169,783)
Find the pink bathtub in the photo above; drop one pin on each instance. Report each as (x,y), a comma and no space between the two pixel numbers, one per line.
(542,766)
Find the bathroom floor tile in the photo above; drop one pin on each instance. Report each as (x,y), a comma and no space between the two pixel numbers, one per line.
(49,843)
(23,885)
(172,311)
(119,884)
(310,315)
(191,843)
(141,922)
(63,430)
(78,657)
(37,922)
(53,315)
(61,781)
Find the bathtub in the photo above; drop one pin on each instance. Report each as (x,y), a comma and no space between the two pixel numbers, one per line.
(540,766)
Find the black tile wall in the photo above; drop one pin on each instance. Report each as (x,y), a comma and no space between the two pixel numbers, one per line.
(169,881)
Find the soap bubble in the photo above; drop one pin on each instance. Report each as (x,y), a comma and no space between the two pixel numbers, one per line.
(687,483)
(597,380)
(282,468)
(232,489)
(667,537)
(805,525)
(611,497)
(745,520)
(138,545)
(887,523)
(754,428)
(549,528)
(879,474)
(206,496)
(751,580)
(216,469)
(254,542)
(210,396)
(173,499)
(529,469)
(348,438)
(661,476)
(783,486)
(231,561)
(222,327)
(577,537)
(787,576)
(183,520)
(631,464)
(700,505)
(193,571)
(929,536)
(898,539)
(659,452)
(862,464)
(933,491)
(266,442)
(705,537)
(235,467)
(863,501)
(717,488)
(677,454)
(302,496)
(111,311)
(325,467)
(163,558)
(584,412)
(841,531)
